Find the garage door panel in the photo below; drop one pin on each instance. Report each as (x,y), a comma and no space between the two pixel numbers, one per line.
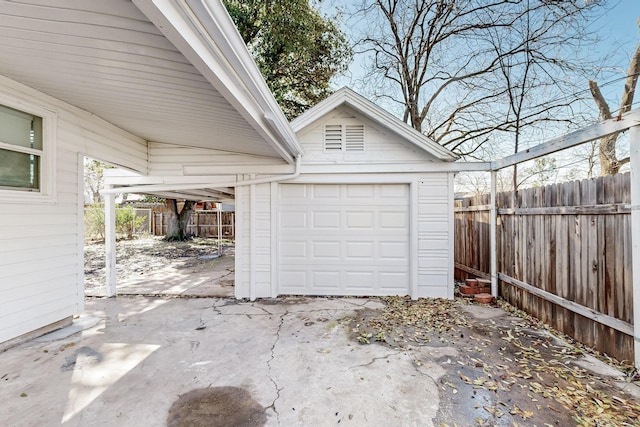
(393,250)
(360,191)
(344,239)
(323,220)
(326,279)
(395,191)
(359,250)
(324,192)
(391,281)
(326,251)
(293,250)
(394,220)
(359,279)
(292,219)
(293,279)
(360,219)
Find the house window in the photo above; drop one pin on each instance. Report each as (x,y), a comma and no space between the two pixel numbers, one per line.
(344,137)
(21,150)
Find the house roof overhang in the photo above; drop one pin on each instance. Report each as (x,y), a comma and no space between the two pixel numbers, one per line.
(167,71)
(346,96)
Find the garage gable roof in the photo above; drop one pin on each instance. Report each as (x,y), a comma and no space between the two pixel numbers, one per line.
(346,96)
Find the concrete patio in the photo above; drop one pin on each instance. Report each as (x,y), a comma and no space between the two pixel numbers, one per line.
(292,358)
(143,361)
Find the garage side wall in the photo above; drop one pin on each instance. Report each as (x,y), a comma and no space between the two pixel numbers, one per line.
(253,259)
(41,253)
(435,235)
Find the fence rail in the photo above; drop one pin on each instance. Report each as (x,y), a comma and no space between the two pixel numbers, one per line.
(563,255)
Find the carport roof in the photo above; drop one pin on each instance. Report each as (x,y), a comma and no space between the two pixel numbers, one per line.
(168,71)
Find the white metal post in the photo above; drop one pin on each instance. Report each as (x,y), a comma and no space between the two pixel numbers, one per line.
(252,241)
(219,206)
(634,148)
(110,242)
(493,218)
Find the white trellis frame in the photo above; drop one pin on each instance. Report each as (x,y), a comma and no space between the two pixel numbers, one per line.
(628,121)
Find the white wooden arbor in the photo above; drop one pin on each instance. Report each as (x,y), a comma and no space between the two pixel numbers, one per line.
(629,121)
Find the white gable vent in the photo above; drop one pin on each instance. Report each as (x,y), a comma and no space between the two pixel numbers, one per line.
(333,137)
(354,138)
(344,138)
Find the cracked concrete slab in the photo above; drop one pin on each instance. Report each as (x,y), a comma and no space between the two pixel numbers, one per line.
(147,355)
(153,361)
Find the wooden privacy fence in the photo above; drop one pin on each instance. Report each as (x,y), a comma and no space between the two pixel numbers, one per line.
(563,255)
(201,224)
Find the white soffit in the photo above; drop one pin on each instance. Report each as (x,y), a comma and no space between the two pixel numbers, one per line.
(108,58)
(376,114)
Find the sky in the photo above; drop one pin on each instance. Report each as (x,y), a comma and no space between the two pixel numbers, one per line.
(617,28)
(619,35)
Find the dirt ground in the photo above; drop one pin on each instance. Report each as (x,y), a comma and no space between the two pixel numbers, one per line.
(142,257)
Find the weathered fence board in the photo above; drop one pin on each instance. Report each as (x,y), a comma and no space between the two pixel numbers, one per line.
(201,224)
(571,241)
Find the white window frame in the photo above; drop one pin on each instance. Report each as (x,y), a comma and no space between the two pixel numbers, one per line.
(47,176)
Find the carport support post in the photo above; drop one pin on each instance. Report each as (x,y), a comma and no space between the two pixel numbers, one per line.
(493,217)
(634,148)
(110,241)
(219,218)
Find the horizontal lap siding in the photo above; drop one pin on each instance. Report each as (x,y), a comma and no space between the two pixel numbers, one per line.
(434,236)
(379,146)
(168,159)
(40,280)
(262,236)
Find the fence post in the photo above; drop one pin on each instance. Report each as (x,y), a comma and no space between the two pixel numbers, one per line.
(634,149)
(493,264)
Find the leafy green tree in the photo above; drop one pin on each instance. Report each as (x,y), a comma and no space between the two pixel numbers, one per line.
(297,50)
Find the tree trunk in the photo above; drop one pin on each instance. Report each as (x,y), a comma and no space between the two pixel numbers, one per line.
(609,163)
(177,219)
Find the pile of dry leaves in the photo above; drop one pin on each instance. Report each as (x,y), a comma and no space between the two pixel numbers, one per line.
(508,370)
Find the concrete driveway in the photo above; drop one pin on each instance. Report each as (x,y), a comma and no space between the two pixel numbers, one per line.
(292,361)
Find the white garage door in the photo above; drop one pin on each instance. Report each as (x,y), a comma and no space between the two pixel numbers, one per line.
(343,239)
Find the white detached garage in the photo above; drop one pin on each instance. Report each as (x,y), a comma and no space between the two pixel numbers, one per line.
(368,212)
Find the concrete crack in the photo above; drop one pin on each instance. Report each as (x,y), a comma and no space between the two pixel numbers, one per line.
(270,368)
(375,359)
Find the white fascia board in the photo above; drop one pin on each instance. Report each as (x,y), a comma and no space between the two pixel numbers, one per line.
(205,34)
(375,114)
(423,167)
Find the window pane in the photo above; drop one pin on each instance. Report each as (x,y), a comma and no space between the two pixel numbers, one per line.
(19,170)
(21,129)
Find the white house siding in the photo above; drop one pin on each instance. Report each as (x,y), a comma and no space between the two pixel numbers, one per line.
(253,242)
(382,147)
(41,279)
(177,160)
(435,235)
